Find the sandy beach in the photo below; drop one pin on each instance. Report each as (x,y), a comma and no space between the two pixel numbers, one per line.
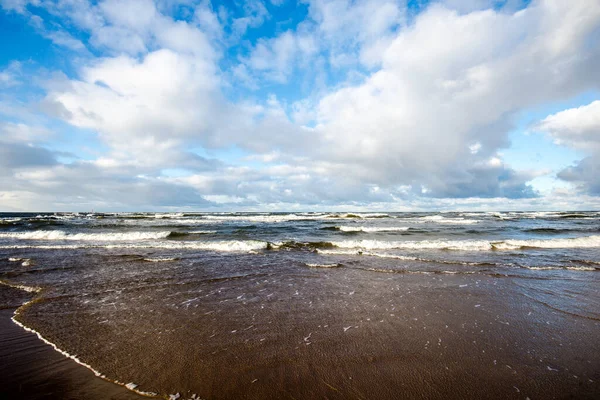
(393,336)
(32,369)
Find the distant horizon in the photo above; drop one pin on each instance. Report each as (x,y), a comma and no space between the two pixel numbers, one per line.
(297,211)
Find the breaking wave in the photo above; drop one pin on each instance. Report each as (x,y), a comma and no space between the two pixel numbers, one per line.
(369,229)
(226,245)
(61,235)
(438,219)
(470,245)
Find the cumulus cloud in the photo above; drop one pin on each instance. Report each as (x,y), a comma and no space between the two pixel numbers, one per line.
(335,30)
(578,128)
(451,80)
(420,111)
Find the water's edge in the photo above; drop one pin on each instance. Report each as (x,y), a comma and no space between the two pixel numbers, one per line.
(129,386)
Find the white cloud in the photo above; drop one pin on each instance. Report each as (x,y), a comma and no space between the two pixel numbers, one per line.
(276,58)
(10,76)
(578,128)
(337,29)
(425,128)
(19,6)
(255,14)
(62,38)
(452,79)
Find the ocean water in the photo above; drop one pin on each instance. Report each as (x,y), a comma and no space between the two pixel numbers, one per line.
(315,305)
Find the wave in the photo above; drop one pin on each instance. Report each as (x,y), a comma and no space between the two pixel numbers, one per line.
(552,215)
(581,268)
(470,245)
(403,257)
(572,268)
(548,230)
(264,218)
(226,245)
(175,234)
(414,245)
(588,262)
(131,386)
(573,216)
(108,236)
(30,289)
(354,252)
(408,271)
(275,218)
(312,265)
(369,229)
(375,215)
(438,219)
(160,259)
(294,245)
(570,243)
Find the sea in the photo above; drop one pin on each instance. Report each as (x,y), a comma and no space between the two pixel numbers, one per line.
(316,304)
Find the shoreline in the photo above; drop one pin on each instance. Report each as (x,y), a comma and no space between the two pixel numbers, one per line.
(37,368)
(442,341)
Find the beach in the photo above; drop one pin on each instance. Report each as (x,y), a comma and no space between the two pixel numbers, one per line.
(32,369)
(309,318)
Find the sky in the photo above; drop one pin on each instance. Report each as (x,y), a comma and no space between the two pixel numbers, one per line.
(313,105)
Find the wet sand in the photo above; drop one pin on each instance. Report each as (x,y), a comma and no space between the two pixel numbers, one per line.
(31,369)
(334,333)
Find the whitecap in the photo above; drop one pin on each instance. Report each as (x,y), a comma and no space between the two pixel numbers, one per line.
(107,236)
(372,229)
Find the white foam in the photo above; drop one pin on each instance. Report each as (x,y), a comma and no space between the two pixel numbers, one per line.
(9,220)
(374,215)
(322,265)
(227,245)
(168,215)
(370,229)
(265,218)
(581,268)
(574,268)
(108,236)
(130,386)
(30,289)
(580,242)
(160,259)
(469,245)
(274,218)
(337,252)
(438,219)
(415,245)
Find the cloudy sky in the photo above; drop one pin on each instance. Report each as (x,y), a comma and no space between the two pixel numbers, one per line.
(299,105)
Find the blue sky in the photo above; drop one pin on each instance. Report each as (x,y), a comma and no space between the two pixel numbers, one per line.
(310,105)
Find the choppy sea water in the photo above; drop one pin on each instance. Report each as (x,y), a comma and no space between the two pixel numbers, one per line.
(305,305)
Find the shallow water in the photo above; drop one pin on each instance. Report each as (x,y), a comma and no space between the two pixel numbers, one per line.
(318,305)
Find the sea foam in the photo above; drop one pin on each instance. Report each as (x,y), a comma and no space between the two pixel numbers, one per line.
(470,245)
(225,245)
(107,236)
(370,229)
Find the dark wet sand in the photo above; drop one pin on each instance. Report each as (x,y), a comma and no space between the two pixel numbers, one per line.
(32,369)
(317,334)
